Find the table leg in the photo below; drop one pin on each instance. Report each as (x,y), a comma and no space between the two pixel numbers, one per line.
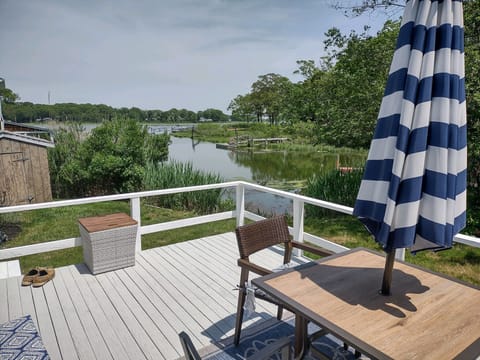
(300,336)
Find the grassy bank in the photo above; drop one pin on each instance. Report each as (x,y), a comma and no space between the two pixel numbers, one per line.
(223,133)
(298,137)
(37,226)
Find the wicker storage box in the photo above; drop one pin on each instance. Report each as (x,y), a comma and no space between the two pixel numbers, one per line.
(108,242)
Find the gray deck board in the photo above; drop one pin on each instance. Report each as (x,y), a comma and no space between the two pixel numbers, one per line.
(195,309)
(221,284)
(4,316)
(26,299)
(79,337)
(71,277)
(175,304)
(62,333)
(209,304)
(216,287)
(45,325)
(141,336)
(14,302)
(163,348)
(137,312)
(132,350)
(94,305)
(163,335)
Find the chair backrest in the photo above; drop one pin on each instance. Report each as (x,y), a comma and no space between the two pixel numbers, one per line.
(262,234)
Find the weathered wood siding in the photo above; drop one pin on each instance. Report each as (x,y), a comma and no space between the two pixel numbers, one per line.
(25,177)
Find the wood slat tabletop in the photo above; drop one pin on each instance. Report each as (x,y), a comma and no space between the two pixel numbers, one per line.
(427,316)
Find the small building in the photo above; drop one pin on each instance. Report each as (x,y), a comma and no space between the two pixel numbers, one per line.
(24,173)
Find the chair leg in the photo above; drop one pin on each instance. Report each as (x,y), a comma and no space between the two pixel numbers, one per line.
(239,319)
(279,312)
(241,301)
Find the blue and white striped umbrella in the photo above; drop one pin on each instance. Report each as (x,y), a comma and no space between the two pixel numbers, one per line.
(413,193)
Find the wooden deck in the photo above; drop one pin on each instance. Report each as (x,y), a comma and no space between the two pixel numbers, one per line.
(137,312)
(9,269)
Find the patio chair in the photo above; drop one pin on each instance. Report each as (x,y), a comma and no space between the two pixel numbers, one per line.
(257,236)
(280,347)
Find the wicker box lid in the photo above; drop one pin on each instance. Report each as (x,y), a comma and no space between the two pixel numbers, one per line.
(106,222)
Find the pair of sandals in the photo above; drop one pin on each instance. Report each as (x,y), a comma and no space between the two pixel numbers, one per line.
(38,276)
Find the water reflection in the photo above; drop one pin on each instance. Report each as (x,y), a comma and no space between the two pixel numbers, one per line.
(284,166)
(278,169)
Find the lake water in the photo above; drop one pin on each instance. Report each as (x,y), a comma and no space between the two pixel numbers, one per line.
(262,166)
(278,169)
(206,157)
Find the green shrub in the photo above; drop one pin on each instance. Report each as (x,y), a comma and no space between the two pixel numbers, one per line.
(111,159)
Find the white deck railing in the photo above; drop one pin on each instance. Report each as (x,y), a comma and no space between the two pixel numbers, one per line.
(240,213)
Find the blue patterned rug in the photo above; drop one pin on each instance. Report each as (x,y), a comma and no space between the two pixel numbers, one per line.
(19,339)
(254,341)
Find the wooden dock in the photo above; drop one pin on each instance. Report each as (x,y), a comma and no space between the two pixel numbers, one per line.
(243,141)
(137,312)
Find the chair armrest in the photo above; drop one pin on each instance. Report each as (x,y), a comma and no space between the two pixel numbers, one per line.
(253,267)
(310,248)
(188,349)
(281,346)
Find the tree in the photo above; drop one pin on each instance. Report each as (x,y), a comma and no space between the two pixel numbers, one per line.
(212,114)
(353,85)
(359,7)
(9,96)
(270,92)
(472,84)
(242,108)
(306,97)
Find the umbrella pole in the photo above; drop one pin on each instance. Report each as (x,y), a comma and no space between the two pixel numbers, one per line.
(387,273)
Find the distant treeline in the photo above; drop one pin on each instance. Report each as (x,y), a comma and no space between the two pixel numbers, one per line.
(28,112)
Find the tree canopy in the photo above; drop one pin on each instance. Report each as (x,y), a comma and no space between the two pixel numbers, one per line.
(8,95)
(24,112)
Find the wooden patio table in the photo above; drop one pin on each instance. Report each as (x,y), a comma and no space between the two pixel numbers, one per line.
(427,316)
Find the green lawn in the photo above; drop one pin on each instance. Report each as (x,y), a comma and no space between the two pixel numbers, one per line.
(462,261)
(37,226)
(61,223)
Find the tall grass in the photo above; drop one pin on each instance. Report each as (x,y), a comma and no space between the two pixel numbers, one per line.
(334,186)
(177,174)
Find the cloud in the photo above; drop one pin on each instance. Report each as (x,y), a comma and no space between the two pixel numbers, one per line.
(157,54)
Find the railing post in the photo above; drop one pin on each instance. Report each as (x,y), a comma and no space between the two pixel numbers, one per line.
(135,214)
(240,204)
(298,215)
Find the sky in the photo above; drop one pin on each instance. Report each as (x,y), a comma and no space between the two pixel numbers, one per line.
(159,54)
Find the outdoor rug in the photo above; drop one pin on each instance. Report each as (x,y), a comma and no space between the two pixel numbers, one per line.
(256,339)
(19,339)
